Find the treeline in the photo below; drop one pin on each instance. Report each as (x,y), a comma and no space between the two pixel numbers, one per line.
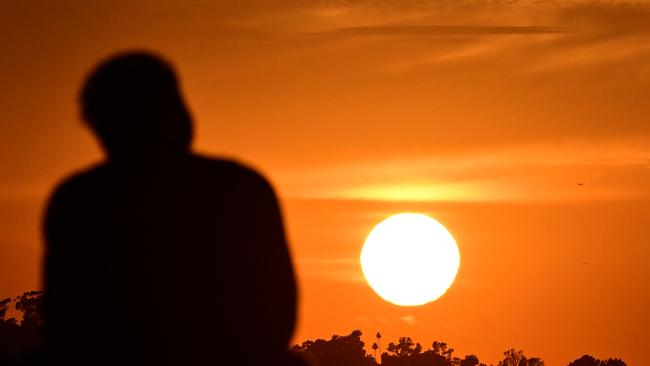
(20,327)
(21,322)
(350,350)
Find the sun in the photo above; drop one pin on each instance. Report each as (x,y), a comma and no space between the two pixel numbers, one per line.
(410,259)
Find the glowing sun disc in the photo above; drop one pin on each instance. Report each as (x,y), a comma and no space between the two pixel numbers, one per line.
(410,259)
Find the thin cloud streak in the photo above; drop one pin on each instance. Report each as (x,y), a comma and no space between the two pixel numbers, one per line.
(441,30)
(513,174)
(408,319)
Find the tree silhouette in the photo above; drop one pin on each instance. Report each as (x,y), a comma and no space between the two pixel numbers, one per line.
(405,347)
(19,345)
(339,350)
(29,304)
(378,336)
(585,360)
(536,361)
(614,362)
(409,353)
(517,358)
(20,340)
(441,349)
(4,306)
(513,358)
(588,360)
(469,360)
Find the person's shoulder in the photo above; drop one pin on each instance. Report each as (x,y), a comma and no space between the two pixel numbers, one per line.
(235,171)
(80,181)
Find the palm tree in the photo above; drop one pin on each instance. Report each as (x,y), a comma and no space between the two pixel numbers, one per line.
(374,348)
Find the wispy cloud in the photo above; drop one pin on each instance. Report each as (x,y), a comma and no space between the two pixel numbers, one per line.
(440,30)
(577,27)
(408,319)
(528,173)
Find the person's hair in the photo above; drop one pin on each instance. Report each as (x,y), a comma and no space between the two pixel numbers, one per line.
(133,104)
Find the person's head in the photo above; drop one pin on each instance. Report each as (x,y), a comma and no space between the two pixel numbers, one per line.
(133,104)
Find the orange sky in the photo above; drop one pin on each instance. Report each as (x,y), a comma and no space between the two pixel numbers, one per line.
(483,114)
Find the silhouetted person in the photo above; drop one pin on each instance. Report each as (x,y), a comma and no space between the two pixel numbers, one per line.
(158,255)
